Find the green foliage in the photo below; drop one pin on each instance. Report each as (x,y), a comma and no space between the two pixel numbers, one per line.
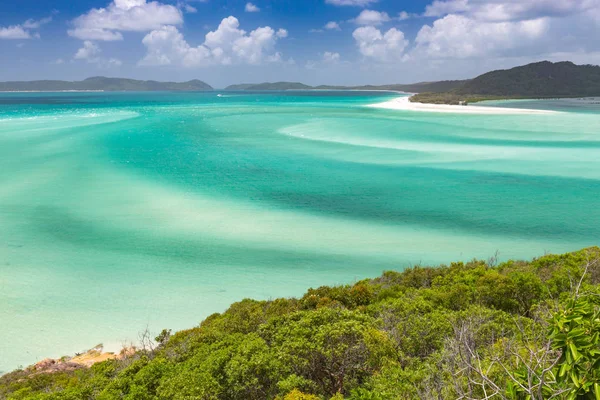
(421,333)
(576,333)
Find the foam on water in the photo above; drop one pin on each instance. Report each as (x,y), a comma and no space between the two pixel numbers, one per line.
(121,211)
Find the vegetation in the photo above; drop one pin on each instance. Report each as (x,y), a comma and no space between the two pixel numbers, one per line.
(476,330)
(451,98)
(105,84)
(538,80)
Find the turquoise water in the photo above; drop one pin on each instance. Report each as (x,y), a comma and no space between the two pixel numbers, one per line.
(125,211)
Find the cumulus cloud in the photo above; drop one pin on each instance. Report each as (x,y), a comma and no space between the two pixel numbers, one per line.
(226,45)
(124,15)
(36,24)
(190,9)
(332,26)
(24,30)
(371,17)
(354,3)
(331,57)
(507,28)
(14,32)
(383,47)
(457,36)
(510,10)
(251,8)
(403,16)
(90,52)
(440,8)
(95,34)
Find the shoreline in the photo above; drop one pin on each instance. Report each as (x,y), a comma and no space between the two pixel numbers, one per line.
(404,104)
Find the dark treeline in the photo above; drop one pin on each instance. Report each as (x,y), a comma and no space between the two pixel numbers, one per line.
(476,330)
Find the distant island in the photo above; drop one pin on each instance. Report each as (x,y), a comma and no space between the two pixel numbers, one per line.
(537,80)
(101,83)
(433,87)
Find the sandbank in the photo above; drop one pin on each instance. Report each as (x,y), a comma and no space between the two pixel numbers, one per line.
(402,103)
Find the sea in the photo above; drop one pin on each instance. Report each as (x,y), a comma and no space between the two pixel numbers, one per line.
(129,212)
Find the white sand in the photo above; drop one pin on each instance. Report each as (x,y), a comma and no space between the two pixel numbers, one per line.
(403,103)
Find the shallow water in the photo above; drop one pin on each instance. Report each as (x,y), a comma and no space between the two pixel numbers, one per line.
(131,210)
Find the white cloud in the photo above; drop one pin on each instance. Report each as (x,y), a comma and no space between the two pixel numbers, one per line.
(382,47)
(371,17)
(331,58)
(251,8)
(190,9)
(333,26)
(167,46)
(24,30)
(226,45)
(33,24)
(354,3)
(457,36)
(403,16)
(95,34)
(440,8)
(14,32)
(495,29)
(510,10)
(186,7)
(124,15)
(90,52)
(113,62)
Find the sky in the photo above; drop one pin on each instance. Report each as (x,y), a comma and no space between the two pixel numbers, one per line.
(345,42)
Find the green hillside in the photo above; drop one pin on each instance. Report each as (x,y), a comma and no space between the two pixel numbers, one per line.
(542,79)
(518,330)
(105,84)
(538,80)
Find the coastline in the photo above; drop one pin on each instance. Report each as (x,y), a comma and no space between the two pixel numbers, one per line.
(404,104)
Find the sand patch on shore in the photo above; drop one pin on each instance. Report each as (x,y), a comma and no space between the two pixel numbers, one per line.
(402,103)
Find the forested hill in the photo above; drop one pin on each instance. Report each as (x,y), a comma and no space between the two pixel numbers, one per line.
(105,84)
(538,80)
(542,79)
(517,330)
(434,87)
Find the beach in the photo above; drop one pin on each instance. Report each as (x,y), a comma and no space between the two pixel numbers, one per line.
(404,104)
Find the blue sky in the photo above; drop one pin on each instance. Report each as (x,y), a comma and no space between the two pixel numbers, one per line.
(313,41)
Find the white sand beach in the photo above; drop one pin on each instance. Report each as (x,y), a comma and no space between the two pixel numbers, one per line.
(402,103)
